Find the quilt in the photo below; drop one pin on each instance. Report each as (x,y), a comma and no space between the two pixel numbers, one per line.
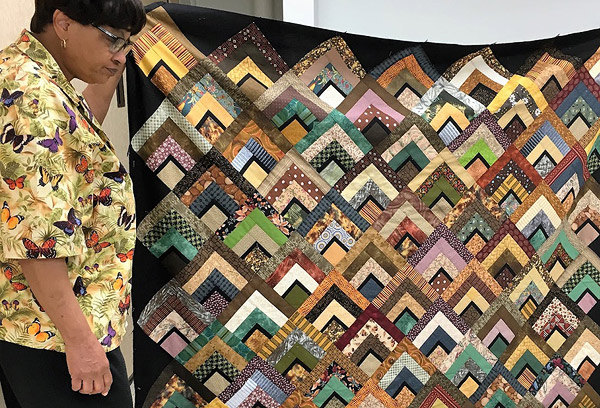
(331,220)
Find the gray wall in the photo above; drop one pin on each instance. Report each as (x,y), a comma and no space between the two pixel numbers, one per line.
(260,8)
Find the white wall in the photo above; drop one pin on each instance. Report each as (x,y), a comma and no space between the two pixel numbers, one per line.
(299,12)
(17,14)
(459,22)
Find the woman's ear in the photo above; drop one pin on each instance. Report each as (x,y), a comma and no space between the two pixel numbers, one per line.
(61,23)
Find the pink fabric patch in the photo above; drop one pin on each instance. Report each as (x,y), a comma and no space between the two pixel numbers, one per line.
(371,98)
(499,328)
(174,344)
(587,302)
(170,148)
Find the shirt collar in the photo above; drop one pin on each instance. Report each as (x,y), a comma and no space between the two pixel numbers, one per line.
(36,51)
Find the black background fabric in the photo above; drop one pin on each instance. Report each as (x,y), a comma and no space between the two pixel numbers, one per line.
(207,29)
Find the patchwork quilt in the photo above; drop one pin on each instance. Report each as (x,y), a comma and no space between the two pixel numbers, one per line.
(335,220)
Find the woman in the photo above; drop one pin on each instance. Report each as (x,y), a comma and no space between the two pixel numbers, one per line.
(67,220)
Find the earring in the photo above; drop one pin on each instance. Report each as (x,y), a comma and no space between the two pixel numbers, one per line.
(64,43)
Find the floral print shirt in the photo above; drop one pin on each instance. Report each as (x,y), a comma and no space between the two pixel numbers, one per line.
(64,194)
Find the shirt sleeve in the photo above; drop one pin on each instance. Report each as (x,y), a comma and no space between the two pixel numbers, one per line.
(41,214)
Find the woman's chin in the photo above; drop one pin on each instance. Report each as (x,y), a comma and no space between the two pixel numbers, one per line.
(99,79)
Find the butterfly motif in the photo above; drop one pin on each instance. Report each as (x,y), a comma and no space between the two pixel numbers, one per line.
(89,269)
(99,145)
(78,288)
(126,257)
(72,118)
(8,274)
(46,249)
(103,198)
(11,221)
(83,168)
(93,241)
(68,227)
(86,201)
(10,136)
(124,304)
(107,341)
(34,106)
(125,219)
(19,182)
(47,178)
(8,99)
(35,329)
(52,144)
(7,305)
(119,284)
(117,176)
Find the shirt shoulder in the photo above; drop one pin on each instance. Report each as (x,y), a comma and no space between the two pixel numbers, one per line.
(33,103)
(17,69)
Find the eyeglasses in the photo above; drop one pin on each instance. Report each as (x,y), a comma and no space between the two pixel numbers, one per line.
(118,43)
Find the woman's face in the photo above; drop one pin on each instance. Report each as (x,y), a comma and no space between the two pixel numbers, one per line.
(89,54)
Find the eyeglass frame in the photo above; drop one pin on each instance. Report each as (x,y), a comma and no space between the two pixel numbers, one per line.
(127,44)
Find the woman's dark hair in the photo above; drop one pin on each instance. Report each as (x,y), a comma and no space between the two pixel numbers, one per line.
(120,14)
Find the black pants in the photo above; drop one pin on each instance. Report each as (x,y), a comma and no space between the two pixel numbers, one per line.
(33,378)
